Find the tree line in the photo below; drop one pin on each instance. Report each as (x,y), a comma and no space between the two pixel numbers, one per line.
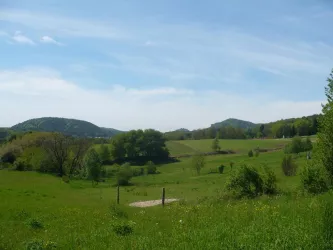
(304,126)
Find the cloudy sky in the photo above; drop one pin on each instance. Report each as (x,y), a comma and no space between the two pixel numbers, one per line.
(163,64)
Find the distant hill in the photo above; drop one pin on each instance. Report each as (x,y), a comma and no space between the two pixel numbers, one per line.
(182,130)
(66,126)
(235,123)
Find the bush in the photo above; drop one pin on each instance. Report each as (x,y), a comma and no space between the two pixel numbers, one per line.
(246,182)
(34,223)
(288,165)
(151,168)
(313,179)
(221,169)
(21,165)
(123,228)
(250,154)
(269,181)
(124,175)
(8,157)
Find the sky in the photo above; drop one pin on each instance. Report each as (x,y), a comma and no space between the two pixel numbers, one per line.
(163,64)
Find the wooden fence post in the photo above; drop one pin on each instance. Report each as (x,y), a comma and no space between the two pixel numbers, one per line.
(117,194)
(163,196)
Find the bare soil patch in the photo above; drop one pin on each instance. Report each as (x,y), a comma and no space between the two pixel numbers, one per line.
(151,203)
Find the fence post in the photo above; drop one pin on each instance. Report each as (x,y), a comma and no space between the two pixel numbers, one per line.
(163,196)
(117,194)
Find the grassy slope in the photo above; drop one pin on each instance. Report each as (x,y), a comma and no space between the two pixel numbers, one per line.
(240,146)
(77,216)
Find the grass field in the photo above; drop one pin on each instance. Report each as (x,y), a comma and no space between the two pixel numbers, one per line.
(239,146)
(42,209)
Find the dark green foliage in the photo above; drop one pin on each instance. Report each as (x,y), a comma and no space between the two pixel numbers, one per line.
(71,127)
(269,180)
(104,153)
(21,165)
(93,164)
(313,179)
(138,144)
(35,223)
(325,136)
(198,162)
(298,145)
(124,175)
(8,157)
(289,166)
(221,169)
(151,167)
(246,182)
(249,182)
(250,153)
(122,228)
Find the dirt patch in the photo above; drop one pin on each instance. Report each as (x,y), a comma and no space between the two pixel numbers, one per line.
(151,203)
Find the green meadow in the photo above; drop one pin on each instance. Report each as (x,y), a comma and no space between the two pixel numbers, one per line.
(40,211)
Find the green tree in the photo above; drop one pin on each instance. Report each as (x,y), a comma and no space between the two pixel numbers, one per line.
(307,144)
(104,153)
(124,175)
(216,145)
(325,135)
(93,164)
(198,162)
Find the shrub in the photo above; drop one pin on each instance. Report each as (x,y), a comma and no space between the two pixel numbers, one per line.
(151,168)
(221,169)
(288,165)
(123,228)
(246,182)
(8,157)
(34,223)
(93,164)
(250,153)
(269,181)
(21,165)
(198,162)
(313,179)
(124,175)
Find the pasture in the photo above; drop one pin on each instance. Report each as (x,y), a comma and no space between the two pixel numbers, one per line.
(42,210)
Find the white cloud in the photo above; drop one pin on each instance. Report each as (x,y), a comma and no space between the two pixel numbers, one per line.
(18,37)
(62,26)
(33,92)
(48,39)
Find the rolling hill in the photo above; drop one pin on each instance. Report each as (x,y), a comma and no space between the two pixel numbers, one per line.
(66,126)
(235,123)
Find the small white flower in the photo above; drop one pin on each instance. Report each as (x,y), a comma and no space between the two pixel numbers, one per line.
(180,221)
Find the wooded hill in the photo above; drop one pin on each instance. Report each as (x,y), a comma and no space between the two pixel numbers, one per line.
(73,127)
(239,129)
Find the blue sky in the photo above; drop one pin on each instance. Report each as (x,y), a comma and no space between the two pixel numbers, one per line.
(164,64)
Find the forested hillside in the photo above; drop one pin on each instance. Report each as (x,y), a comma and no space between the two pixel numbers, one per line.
(71,127)
(238,129)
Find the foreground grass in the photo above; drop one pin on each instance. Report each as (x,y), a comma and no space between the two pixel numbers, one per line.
(73,218)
